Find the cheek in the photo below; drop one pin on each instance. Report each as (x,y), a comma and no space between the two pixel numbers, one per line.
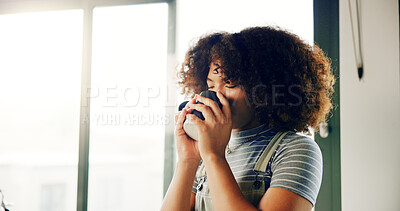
(231,105)
(238,105)
(237,100)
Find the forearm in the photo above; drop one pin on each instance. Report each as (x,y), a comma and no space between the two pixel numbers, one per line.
(179,191)
(225,192)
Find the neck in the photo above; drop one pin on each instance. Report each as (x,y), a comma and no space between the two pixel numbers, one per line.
(249,125)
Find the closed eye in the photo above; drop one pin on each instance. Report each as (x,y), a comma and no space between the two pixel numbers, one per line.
(229,87)
(228,82)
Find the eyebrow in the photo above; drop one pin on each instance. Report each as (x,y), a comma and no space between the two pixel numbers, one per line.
(209,79)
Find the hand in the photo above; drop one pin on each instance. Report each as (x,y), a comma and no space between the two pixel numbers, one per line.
(215,130)
(186,147)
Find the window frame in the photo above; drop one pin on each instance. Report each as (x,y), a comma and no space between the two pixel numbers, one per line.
(326,35)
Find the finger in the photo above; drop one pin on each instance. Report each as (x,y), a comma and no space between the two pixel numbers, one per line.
(226,109)
(212,104)
(191,102)
(205,110)
(177,116)
(188,110)
(181,118)
(195,120)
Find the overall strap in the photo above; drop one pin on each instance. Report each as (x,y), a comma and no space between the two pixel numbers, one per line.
(202,170)
(263,160)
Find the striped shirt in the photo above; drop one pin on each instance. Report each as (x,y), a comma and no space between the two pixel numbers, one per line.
(296,164)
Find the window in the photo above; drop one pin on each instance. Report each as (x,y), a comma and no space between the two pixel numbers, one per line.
(40,67)
(53,197)
(127,107)
(131,100)
(211,16)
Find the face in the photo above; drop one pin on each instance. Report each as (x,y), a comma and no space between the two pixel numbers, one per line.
(242,114)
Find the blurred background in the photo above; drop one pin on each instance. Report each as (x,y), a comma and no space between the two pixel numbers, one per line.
(88,97)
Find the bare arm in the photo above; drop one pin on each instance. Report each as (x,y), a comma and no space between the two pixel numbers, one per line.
(280,199)
(179,194)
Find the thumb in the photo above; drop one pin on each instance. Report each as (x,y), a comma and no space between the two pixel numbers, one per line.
(193,126)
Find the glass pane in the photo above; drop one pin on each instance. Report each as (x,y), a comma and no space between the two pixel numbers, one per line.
(128,107)
(40,67)
(294,15)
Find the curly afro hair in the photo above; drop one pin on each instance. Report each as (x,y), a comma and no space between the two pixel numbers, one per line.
(288,83)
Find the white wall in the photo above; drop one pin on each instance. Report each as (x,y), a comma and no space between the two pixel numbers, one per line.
(370,109)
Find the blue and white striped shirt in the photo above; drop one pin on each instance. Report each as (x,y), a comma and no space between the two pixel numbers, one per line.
(296,164)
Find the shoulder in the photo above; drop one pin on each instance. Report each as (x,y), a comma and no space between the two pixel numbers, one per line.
(296,144)
(297,166)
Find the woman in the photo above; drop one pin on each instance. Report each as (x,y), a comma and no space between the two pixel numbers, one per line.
(268,81)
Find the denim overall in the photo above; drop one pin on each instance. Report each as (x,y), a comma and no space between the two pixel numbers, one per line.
(253,190)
